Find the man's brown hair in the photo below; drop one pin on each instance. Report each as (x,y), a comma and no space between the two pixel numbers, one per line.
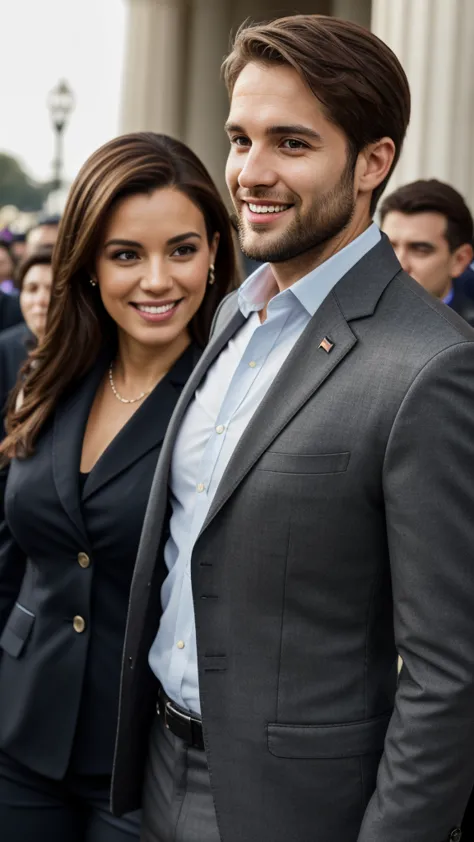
(356,77)
(432,196)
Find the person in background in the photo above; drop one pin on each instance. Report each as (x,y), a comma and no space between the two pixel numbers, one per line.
(7,267)
(18,247)
(10,312)
(34,280)
(144,257)
(45,233)
(430,228)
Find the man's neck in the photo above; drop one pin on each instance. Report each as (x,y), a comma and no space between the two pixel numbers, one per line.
(288,273)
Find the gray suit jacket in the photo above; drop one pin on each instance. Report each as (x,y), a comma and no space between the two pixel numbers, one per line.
(342,533)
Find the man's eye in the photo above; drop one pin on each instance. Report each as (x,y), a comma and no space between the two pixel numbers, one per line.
(240,140)
(291,143)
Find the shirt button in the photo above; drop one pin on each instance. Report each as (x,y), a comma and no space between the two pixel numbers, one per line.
(79,624)
(220,429)
(252,364)
(83,560)
(180,644)
(200,487)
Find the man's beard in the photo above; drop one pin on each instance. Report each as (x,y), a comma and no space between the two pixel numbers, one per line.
(328,216)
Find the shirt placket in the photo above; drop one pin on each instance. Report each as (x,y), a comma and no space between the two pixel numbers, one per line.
(258,349)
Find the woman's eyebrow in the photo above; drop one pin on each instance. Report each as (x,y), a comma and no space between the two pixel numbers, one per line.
(180,237)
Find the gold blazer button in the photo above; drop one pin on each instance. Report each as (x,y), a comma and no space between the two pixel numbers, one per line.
(83,560)
(79,624)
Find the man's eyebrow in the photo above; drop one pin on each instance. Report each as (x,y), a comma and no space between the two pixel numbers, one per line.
(278,130)
(294,129)
(423,243)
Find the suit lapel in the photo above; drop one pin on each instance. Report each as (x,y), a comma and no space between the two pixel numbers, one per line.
(68,433)
(146,428)
(303,372)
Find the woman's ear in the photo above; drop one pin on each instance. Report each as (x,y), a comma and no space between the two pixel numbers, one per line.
(214,247)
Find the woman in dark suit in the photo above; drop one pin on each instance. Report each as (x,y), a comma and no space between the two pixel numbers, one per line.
(34,280)
(143,258)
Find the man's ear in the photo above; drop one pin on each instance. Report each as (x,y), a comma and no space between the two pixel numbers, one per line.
(460,259)
(373,164)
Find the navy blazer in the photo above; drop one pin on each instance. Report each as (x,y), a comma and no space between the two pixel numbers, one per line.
(66,566)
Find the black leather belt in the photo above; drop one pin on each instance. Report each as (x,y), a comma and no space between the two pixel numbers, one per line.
(181,723)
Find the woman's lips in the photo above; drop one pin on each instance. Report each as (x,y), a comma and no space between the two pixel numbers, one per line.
(157,312)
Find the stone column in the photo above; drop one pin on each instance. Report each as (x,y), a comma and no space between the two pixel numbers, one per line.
(154,69)
(358,11)
(434,40)
(206,97)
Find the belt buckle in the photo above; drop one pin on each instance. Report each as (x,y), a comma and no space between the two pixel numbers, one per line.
(171,709)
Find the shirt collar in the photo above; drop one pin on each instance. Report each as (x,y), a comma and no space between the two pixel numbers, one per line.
(312,289)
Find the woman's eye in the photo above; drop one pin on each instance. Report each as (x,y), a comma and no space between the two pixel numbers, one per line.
(184,251)
(125,256)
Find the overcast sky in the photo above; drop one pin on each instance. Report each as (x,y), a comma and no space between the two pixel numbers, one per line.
(42,41)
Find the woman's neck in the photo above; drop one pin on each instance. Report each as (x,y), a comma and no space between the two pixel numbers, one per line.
(141,367)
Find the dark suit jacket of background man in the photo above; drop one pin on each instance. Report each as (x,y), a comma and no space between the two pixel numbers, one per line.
(462,304)
(15,342)
(342,533)
(10,312)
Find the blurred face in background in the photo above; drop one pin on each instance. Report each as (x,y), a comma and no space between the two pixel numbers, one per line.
(6,265)
(35,297)
(419,241)
(42,235)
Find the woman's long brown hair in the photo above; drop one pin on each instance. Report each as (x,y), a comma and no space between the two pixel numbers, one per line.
(78,325)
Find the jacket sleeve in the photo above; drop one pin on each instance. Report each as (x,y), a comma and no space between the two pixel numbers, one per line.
(427,769)
(12,560)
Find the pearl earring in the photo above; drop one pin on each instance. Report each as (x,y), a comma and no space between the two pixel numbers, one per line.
(211,278)
(92,282)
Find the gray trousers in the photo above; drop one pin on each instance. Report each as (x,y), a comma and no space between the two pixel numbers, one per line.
(177,798)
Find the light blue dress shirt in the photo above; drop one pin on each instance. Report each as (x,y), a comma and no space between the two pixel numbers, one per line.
(214,422)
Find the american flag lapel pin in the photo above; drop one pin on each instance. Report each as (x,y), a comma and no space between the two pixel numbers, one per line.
(326,345)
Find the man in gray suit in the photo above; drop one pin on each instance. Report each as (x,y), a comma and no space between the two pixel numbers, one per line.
(314,500)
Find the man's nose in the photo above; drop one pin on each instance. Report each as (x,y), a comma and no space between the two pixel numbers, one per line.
(257,171)
(403,259)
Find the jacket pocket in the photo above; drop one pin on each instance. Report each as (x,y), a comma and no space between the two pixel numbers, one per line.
(17,630)
(327,742)
(298,463)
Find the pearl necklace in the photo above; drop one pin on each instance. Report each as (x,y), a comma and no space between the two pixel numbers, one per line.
(119,397)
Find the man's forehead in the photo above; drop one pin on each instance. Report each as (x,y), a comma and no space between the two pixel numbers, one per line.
(416,226)
(273,83)
(266,95)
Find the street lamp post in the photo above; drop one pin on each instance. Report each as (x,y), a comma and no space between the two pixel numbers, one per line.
(60,104)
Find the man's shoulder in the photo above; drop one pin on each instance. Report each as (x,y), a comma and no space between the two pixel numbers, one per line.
(417,318)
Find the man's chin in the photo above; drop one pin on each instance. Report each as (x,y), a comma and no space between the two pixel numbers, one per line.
(258,246)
